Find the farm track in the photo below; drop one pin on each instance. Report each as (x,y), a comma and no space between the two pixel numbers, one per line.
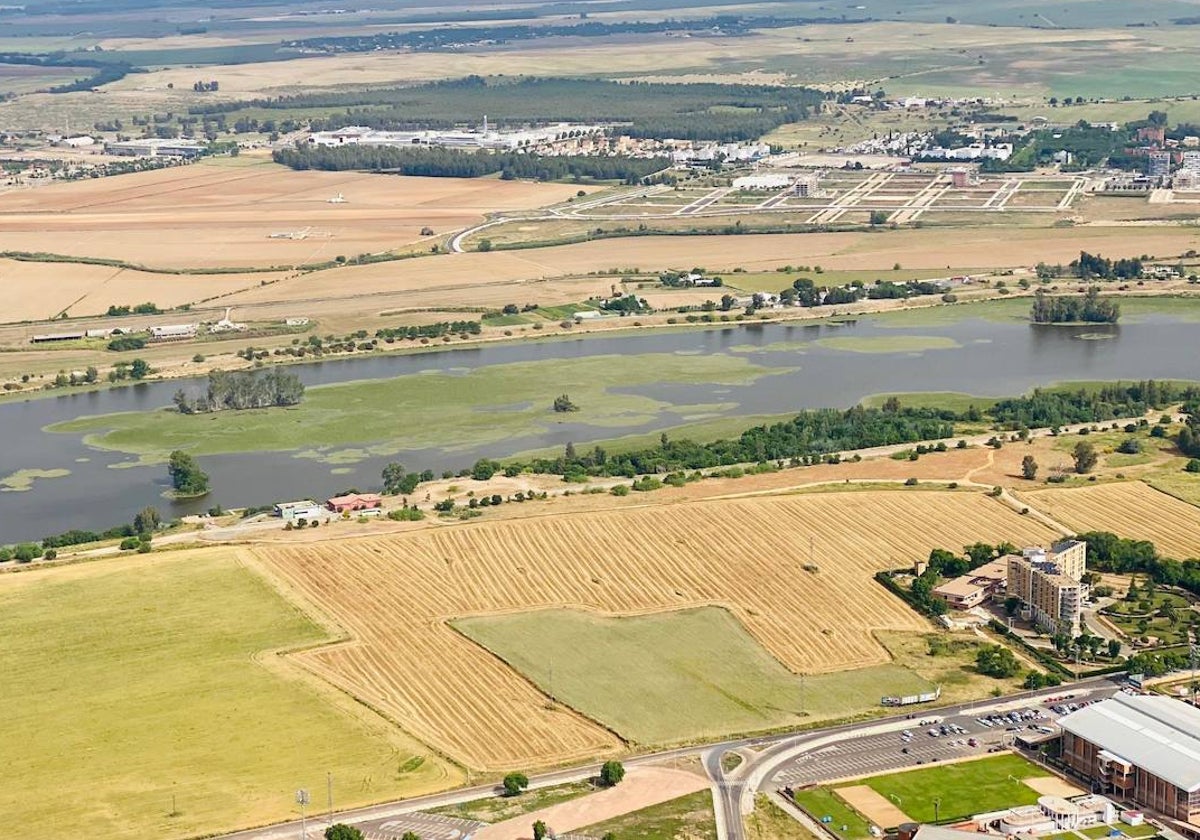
(395,595)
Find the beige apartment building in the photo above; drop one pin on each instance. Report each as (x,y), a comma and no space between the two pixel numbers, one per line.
(1050,584)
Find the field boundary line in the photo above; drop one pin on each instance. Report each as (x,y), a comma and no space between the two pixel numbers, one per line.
(286,662)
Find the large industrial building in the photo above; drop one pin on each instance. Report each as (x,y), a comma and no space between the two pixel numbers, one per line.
(1050,584)
(1143,748)
(486,138)
(155,147)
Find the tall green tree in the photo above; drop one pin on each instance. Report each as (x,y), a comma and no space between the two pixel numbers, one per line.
(186,476)
(514,783)
(341,831)
(1085,457)
(147,520)
(996,661)
(1029,467)
(611,773)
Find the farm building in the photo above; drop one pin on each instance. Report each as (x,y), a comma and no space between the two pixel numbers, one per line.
(1142,748)
(355,502)
(170,332)
(45,338)
(291,511)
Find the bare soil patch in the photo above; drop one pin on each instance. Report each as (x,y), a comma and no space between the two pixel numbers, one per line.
(872,805)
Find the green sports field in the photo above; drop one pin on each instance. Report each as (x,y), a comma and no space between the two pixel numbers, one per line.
(135,686)
(678,676)
(963,789)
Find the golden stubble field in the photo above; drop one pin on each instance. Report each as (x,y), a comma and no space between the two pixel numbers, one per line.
(223,213)
(395,595)
(1128,509)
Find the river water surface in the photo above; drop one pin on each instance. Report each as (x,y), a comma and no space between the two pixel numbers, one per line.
(992,358)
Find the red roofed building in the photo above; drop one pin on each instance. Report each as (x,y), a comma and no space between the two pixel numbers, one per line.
(355,501)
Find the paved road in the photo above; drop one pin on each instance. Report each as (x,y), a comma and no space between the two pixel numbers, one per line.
(734,792)
(862,748)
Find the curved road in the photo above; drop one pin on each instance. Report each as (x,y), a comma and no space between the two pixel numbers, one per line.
(733,792)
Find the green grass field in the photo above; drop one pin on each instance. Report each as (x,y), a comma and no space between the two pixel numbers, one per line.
(499,808)
(964,789)
(672,677)
(846,822)
(430,409)
(688,817)
(130,685)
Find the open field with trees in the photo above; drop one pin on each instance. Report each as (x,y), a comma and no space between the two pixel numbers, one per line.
(463,701)
(144,696)
(675,676)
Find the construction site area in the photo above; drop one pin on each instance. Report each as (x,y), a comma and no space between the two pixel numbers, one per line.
(846,196)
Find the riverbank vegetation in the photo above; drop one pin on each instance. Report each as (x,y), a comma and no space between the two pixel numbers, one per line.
(240,390)
(1089,308)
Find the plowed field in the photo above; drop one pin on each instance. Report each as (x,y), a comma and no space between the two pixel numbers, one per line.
(394,596)
(1129,509)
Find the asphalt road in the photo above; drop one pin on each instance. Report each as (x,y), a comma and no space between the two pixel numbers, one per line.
(770,763)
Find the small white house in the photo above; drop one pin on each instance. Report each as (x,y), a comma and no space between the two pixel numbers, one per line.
(304,509)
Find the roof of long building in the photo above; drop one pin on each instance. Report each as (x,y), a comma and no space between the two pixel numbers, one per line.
(1158,734)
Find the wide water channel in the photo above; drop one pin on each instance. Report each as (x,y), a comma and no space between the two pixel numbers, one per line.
(983,357)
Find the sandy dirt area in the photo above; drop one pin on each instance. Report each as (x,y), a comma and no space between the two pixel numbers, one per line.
(872,805)
(641,788)
(1053,786)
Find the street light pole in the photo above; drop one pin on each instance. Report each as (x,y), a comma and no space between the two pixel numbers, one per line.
(937,805)
(329,792)
(302,800)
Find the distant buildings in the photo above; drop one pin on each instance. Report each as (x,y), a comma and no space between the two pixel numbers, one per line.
(975,151)
(486,138)
(1144,748)
(704,154)
(154,147)
(1158,164)
(1050,584)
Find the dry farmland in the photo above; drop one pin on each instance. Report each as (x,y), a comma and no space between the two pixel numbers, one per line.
(1128,509)
(225,212)
(395,595)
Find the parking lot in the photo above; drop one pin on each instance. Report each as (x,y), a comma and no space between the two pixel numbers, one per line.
(930,738)
(425,826)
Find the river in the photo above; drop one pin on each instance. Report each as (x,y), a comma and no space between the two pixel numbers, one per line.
(991,358)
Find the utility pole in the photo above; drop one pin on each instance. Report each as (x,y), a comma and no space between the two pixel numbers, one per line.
(302,800)
(802,712)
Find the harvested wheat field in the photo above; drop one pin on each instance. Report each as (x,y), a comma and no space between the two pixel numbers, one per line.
(250,213)
(42,291)
(1128,509)
(395,595)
